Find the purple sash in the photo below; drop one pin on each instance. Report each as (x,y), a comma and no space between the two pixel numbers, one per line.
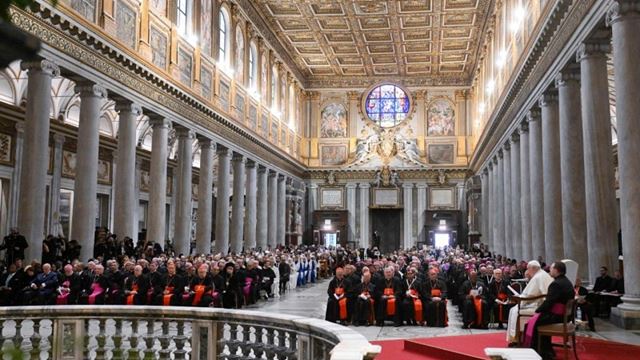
(247,287)
(63,298)
(556,309)
(96,290)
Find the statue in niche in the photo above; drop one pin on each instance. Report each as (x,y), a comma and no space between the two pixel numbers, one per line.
(331,178)
(409,151)
(395,179)
(377,180)
(442,177)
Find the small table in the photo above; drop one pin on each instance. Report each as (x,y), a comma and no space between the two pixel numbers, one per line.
(511,354)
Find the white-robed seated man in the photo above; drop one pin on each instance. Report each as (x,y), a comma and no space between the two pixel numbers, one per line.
(537,286)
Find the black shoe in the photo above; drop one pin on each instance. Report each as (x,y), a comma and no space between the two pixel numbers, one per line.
(513,345)
(500,326)
(397,324)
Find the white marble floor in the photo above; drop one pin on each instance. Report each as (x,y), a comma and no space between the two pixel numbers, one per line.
(311,301)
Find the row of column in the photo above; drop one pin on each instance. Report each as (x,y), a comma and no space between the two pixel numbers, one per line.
(258,217)
(550,189)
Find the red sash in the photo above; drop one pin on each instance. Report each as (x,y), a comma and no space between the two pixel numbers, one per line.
(391,301)
(417,306)
(134,287)
(199,290)
(501,297)
(166,299)
(342,303)
(477,303)
(436,293)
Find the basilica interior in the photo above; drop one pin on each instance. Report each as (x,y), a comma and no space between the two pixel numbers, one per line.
(218,126)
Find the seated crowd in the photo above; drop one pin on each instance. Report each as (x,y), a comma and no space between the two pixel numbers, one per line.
(147,275)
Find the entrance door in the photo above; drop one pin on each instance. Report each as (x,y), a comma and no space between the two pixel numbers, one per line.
(387,224)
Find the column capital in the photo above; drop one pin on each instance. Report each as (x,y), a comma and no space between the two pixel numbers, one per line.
(407,185)
(622,9)
(128,106)
(273,173)
(506,146)
(250,164)
(90,89)
(20,128)
(282,177)
(515,137)
(262,169)
(485,172)
(205,142)
(422,186)
(524,126)
(353,95)
(548,98)
(495,160)
(364,185)
(567,77)
(157,122)
(490,165)
(58,138)
(500,155)
(222,151)
(351,185)
(183,133)
(313,186)
(534,115)
(238,158)
(593,48)
(44,66)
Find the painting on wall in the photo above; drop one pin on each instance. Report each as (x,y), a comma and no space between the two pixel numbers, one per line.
(224,95)
(68,164)
(104,172)
(205,26)
(264,125)
(239,54)
(184,66)
(440,119)
(86,8)
(333,123)
(274,132)
(159,6)
(253,116)
(332,155)
(283,136)
(158,42)
(5,149)
(441,153)
(205,82)
(145,181)
(126,24)
(240,106)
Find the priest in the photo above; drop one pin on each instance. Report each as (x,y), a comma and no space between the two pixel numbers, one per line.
(499,298)
(412,310)
(435,294)
(389,291)
(337,309)
(171,288)
(475,312)
(135,287)
(365,302)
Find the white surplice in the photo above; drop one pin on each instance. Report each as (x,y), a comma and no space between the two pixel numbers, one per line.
(537,286)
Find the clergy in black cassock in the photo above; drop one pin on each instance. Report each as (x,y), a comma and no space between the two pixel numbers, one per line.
(337,303)
(475,312)
(365,302)
(412,305)
(389,291)
(435,297)
(498,298)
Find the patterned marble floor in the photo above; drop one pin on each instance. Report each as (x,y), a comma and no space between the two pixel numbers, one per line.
(311,301)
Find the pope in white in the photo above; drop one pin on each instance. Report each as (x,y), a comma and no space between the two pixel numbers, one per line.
(537,286)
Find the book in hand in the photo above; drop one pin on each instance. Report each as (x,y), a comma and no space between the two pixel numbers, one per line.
(513,290)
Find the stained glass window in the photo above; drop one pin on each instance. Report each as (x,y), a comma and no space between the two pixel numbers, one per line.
(387,105)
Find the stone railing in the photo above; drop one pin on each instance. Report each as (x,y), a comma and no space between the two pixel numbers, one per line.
(149,332)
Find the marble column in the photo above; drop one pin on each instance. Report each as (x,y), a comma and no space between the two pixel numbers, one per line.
(599,180)
(421,207)
(491,206)
(407,194)
(625,21)
(222,201)
(535,173)
(56,180)
(16,175)
(272,236)
(364,215)
(262,221)
(495,208)
(83,226)
(250,217)
(506,200)
(312,206)
(525,193)
(351,209)
(125,202)
(282,210)
(500,246)
(574,226)
(184,196)
(551,174)
(236,233)
(516,194)
(35,160)
(484,207)
(157,212)
(205,196)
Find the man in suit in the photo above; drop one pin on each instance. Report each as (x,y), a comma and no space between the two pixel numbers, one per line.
(603,283)
(551,311)
(14,244)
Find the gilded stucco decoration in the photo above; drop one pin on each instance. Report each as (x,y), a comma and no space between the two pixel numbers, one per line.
(348,43)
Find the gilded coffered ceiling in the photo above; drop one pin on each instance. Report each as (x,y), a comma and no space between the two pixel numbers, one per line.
(352,43)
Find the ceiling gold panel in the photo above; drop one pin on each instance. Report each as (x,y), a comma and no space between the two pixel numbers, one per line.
(353,43)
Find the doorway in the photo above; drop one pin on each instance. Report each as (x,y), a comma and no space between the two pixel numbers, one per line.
(386,228)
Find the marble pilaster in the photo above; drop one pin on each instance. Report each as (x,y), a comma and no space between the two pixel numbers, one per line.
(407,202)
(221,245)
(205,197)
(262,208)
(156,228)
(525,193)
(16,176)
(515,195)
(484,207)
(83,227)
(35,159)
(282,210)
(236,232)
(574,227)
(250,218)
(125,201)
(599,180)
(500,246)
(537,187)
(551,174)
(272,236)
(624,18)
(351,208)
(491,206)
(56,179)
(184,196)
(421,207)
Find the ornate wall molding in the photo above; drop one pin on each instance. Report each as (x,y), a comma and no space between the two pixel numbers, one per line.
(61,34)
